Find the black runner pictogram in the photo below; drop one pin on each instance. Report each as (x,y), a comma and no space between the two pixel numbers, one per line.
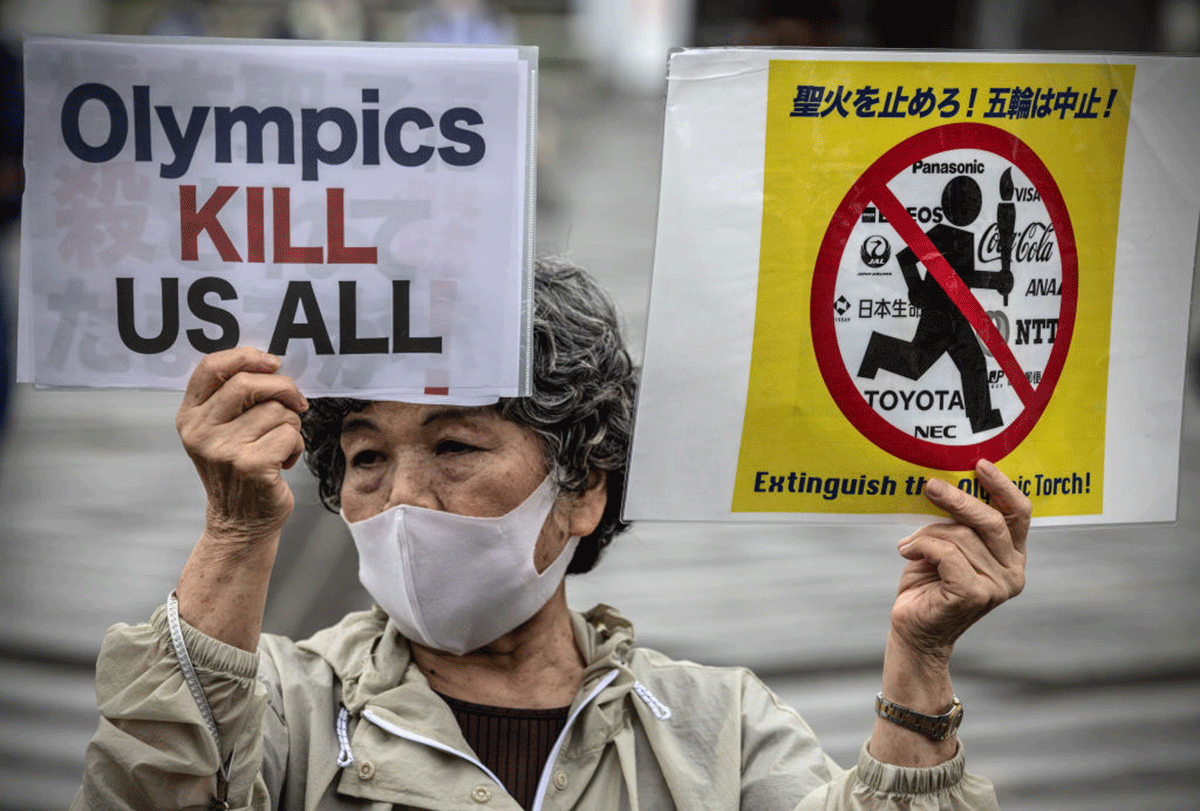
(948,291)
(942,327)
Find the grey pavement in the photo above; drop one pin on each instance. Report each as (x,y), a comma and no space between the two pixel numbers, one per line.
(1083,693)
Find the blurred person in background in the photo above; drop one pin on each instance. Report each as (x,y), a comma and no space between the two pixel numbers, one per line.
(461,22)
(471,682)
(333,20)
(183,18)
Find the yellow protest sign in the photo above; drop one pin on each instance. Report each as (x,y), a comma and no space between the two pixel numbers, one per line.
(935,282)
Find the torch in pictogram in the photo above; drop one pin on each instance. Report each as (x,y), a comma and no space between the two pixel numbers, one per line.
(1006,220)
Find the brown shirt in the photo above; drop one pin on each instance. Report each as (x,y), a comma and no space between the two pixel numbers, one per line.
(513,743)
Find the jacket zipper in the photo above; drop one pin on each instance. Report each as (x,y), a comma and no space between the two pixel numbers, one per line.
(543,781)
(401,732)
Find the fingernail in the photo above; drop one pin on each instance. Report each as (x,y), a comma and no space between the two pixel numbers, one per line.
(986,468)
(936,487)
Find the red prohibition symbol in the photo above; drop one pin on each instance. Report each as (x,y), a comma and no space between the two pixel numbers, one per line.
(872,188)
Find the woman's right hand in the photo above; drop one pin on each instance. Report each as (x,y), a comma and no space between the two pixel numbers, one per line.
(240,424)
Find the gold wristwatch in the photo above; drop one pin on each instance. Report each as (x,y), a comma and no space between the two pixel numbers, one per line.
(936,727)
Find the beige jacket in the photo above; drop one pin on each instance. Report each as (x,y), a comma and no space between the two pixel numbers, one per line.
(645,733)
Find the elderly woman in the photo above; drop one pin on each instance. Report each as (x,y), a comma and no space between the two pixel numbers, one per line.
(472,683)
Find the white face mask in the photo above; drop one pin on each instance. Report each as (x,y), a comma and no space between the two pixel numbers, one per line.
(453,582)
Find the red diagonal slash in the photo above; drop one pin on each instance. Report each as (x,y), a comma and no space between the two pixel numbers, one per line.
(899,218)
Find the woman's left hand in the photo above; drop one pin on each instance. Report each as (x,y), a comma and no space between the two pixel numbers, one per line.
(957,572)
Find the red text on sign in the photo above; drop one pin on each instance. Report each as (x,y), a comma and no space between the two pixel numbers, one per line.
(205,219)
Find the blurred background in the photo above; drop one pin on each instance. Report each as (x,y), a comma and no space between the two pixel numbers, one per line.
(1081,694)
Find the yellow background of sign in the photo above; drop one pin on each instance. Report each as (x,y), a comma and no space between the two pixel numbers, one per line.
(792,423)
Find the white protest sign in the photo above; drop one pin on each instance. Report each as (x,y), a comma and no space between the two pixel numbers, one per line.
(363,211)
(873,268)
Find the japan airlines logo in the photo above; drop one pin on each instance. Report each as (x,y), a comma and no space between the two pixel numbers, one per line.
(875,251)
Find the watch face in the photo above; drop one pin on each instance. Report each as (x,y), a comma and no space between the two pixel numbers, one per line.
(952,720)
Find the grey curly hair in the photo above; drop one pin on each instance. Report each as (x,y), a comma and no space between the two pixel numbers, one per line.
(581,408)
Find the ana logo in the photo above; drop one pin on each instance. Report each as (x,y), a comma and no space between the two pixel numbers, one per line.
(841,305)
(1044,287)
(875,251)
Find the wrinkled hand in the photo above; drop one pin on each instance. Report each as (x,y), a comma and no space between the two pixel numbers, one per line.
(240,424)
(957,572)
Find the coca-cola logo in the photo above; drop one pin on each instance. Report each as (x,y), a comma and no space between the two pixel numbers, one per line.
(1034,244)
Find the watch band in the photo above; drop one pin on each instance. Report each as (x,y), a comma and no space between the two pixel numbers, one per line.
(935,727)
